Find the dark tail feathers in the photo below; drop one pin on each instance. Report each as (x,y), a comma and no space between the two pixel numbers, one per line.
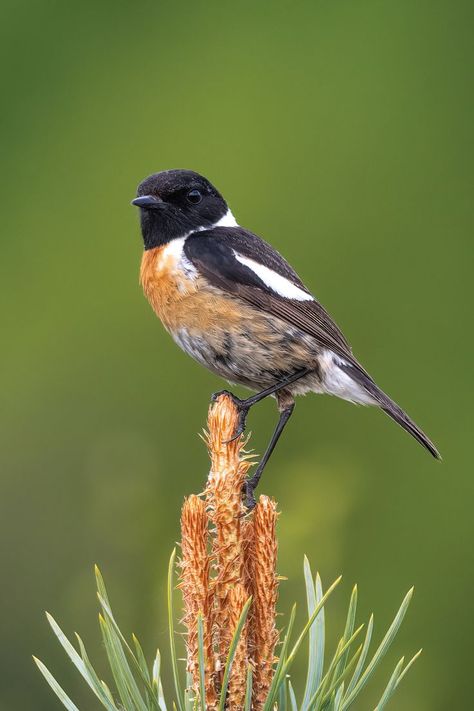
(397,414)
(391,407)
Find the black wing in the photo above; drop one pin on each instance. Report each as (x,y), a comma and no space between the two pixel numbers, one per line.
(213,254)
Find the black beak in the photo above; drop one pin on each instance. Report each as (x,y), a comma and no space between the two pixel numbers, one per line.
(148,202)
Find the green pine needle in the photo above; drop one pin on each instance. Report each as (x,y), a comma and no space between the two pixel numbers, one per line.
(334,688)
(174,659)
(231,655)
(202,663)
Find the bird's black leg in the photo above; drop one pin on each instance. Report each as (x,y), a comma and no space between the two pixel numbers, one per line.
(252,483)
(278,386)
(244,406)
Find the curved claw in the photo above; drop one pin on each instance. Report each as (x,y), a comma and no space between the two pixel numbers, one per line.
(239,431)
(243,412)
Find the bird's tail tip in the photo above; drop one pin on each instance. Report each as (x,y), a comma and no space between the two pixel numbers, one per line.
(383,401)
(402,419)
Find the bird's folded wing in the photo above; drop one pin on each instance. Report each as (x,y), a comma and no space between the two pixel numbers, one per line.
(245,266)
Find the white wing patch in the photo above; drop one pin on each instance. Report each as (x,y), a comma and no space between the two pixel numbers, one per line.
(277,283)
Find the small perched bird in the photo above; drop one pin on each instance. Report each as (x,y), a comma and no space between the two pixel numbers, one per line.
(235,305)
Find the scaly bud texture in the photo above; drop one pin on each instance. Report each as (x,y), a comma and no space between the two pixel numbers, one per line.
(226,559)
(265,594)
(197,594)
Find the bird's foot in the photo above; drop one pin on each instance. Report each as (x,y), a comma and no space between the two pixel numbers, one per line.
(242,408)
(248,493)
(217,394)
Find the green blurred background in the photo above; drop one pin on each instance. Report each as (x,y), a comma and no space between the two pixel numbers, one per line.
(342,132)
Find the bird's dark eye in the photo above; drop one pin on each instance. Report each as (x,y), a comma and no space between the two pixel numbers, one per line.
(194,196)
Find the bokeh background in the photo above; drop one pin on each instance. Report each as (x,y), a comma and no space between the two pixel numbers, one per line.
(342,132)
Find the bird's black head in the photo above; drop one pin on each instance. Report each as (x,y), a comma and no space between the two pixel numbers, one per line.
(174,203)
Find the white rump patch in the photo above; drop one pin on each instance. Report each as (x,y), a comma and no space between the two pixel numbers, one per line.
(277,283)
(338,382)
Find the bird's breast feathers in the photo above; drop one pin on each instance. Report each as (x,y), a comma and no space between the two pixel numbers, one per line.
(177,286)
(239,316)
(179,295)
(224,276)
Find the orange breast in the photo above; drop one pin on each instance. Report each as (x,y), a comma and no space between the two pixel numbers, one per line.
(182,301)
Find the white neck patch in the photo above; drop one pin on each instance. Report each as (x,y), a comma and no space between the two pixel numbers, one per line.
(228,220)
(276,282)
(175,248)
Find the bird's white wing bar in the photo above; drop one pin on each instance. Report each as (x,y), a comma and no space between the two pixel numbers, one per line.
(241,264)
(276,282)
